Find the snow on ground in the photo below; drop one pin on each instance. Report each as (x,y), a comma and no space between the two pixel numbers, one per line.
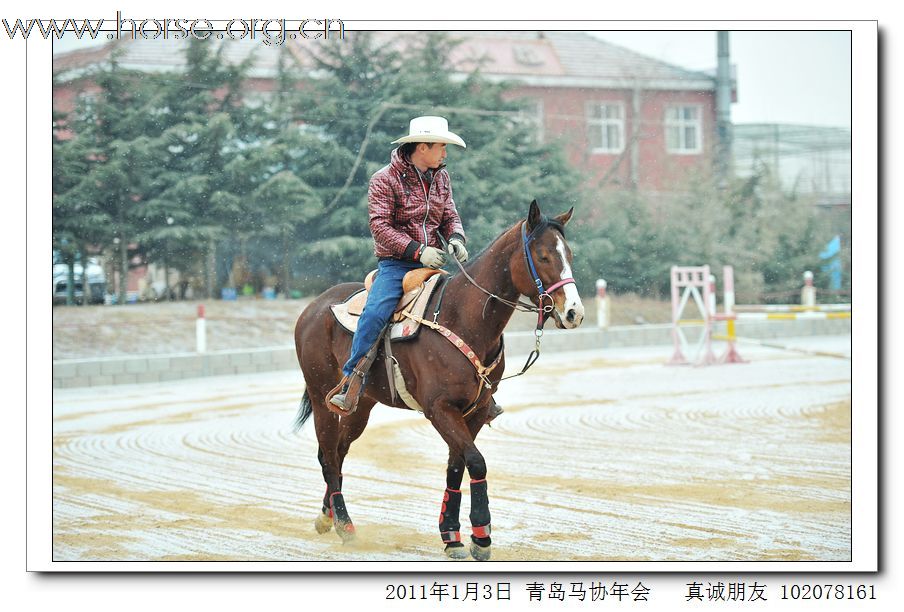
(605,455)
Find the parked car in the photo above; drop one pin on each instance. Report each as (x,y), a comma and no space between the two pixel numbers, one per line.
(93,273)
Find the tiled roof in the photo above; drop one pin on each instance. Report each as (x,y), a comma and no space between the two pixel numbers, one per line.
(167,55)
(553,58)
(575,54)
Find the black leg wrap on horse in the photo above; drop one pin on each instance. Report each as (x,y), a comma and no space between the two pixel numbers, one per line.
(326,499)
(341,518)
(480,513)
(449,527)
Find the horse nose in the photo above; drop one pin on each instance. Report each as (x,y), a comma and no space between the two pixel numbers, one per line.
(574,317)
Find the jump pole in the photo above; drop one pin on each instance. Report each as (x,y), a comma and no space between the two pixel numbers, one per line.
(807,309)
(731,354)
(689,282)
(678,357)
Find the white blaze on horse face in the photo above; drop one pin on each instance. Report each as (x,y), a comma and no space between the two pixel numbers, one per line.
(572,299)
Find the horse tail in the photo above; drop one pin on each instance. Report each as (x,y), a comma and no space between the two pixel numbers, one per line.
(304,412)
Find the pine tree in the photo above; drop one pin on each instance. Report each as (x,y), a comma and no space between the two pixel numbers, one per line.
(69,163)
(202,124)
(365,95)
(106,167)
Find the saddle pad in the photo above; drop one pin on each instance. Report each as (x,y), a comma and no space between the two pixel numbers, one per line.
(348,312)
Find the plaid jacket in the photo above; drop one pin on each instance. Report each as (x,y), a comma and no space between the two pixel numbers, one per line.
(402,218)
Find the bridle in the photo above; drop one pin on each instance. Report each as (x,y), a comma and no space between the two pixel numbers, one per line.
(543,309)
(542,294)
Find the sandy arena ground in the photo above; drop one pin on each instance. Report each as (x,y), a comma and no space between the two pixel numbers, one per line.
(600,456)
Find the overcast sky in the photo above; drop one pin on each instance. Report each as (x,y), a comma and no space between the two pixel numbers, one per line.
(783,76)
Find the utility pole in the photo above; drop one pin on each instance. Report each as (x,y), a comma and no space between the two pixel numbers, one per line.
(635,136)
(723,108)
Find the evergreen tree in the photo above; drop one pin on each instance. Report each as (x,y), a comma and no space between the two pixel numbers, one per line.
(69,163)
(364,97)
(106,167)
(187,167)
(768,236)
(202,124)
(272,206)
(626,245)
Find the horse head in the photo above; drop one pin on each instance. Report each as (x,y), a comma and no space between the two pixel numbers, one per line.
(544,273)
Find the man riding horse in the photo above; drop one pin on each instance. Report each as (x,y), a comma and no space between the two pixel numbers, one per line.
(411,210)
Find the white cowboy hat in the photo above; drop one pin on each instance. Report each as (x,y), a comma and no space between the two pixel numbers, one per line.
(430,129)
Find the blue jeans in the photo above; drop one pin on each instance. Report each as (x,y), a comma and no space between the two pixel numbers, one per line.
(381,302)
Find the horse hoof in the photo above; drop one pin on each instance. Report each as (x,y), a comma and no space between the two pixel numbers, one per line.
(456,552)
(323,523)
(346,531)
(480,553)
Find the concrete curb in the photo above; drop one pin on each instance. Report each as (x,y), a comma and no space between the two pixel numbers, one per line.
(68,373)
(118,370)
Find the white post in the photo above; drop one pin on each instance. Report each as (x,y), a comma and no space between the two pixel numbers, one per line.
(201,331)
(602,304)
(712,295)
(677,335)
(728,288)
(708,310)
(808,291)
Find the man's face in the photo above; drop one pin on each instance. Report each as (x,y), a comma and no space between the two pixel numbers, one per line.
(432,154)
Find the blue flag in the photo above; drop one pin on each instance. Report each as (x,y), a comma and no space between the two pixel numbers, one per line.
(832,248)
(834,270)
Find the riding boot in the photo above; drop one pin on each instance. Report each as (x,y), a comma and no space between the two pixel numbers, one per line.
(341,390)
(495,411)
(343,398)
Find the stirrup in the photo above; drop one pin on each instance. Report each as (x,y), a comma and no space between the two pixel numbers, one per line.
(351,387)
(343,398)
(337,396)
(339,399)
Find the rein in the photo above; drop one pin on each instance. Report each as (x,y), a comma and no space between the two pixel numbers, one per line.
(518,305)
(543,310)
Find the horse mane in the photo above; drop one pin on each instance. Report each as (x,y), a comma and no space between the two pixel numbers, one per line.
(473,260)
(544,224)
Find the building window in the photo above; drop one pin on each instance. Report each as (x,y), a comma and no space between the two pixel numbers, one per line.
(531,116)
(683,130)
(258,99)
(527,56)
(606,127)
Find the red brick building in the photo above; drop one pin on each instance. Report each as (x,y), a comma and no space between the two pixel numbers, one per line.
(627,120)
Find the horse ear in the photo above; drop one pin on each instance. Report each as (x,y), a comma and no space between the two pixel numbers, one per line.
(564,218)
(534,216)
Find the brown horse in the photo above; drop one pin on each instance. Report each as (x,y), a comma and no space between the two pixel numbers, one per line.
(522,261)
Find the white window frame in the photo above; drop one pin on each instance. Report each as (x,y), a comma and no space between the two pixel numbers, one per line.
(601,125)
(682,124)
(258,99)
(533,117)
